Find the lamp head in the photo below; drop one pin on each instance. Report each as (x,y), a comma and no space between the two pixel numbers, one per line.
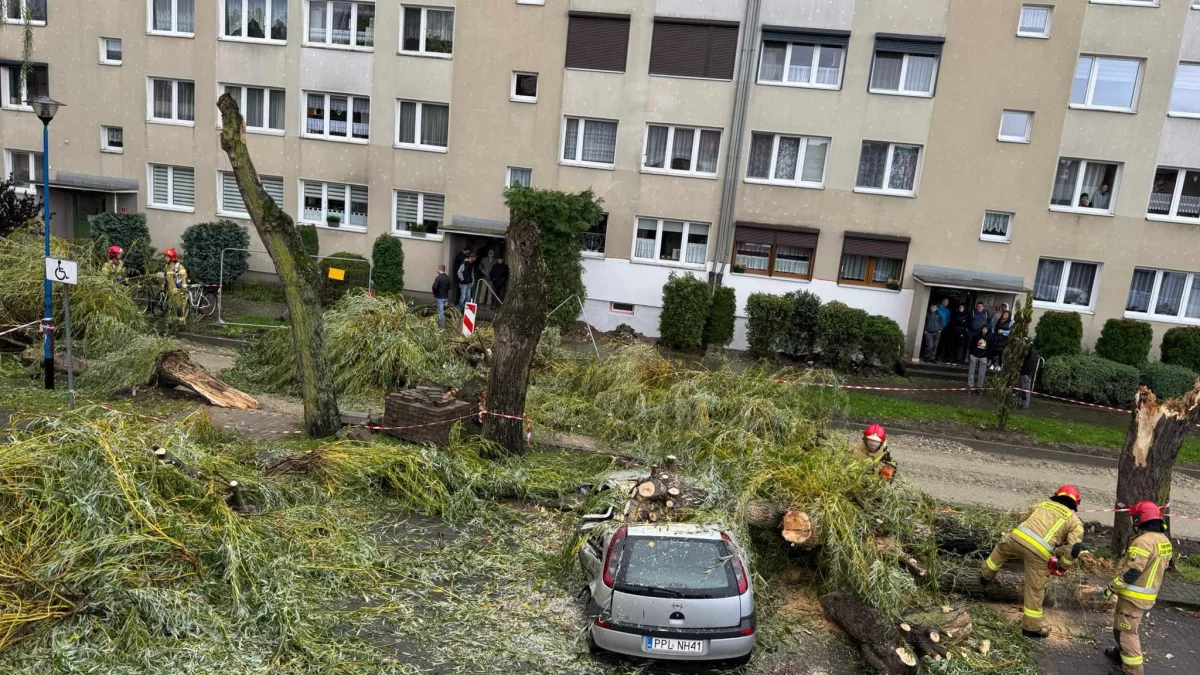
(46,108)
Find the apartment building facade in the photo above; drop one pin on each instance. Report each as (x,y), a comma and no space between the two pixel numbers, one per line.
(881,153)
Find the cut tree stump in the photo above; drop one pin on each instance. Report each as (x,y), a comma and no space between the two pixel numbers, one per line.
(176,368)
(660,496)
(795,526)
(952,624)
(879,641)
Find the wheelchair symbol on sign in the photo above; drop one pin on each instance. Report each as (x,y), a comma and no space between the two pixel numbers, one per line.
(60,273)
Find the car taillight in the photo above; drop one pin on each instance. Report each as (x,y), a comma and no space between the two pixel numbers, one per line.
(739,571)
(613,558)
(601,623)
(745,631)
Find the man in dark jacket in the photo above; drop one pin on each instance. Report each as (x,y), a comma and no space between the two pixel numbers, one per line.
(441,293)
(1028,370)
(979,319)
(978,366)
(499,279)
(960,326)
(933,333)
(465,274)
(459,258)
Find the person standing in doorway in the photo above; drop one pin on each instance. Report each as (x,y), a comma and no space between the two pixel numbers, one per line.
(499,279)
(441,293)
(977,365)
(485,272)
(996,316)
(960,326)
(458,261)
(466,277)
(1003,327)
(933,333)
(979,320)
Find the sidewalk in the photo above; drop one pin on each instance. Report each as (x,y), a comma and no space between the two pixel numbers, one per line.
(1164,631)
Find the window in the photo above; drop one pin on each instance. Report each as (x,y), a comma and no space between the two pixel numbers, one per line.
(254,20)
(693,49)
(418,213)
(620,307)
(996,226)
(1065,284)
(15,97)
(172,17)
(324,205)
(593,239)
(1185,96)
(1134,3)
(671,241)
(172,187)
(802,65)
(589,142)
(1035,21)
(682,150)
(229,197)
(889,168)
(422,126)
(531,2)
(110,51)
(516,175)
(427,30)
(1163,295)
(1176,194)
(905,64)
(1085,185)
(524,87)
(172,101)
(263,108)
(787,160)
(14,11)
(1105,83)
(597,42)
(1015,126)
(24,168)
(337,117)
(774,253)
(874,260)
(341,24)
(112,139)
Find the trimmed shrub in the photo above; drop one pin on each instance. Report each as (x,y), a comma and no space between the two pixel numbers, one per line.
(1090,378)
(719,330)
(684,312)
(1059,334)
(882,341)
(1181,347)
(840,333)
(768,318)
(308,237)
(1125,341)
(802,332)
(127,230)
(388,256)
(1168,381)
(357,275)
(202,247)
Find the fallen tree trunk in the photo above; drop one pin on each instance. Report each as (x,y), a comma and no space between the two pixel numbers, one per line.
(953,625)
(966,539)
(795,526)
(1006,587)
(879,641)
(176,368)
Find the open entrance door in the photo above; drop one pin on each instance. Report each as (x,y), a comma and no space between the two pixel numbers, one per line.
(487,291)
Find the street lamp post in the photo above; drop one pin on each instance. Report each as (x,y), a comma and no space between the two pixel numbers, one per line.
(46,108)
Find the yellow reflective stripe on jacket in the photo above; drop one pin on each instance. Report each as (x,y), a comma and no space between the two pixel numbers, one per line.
(1131,660)
(1033,613)
(1027,535)
(991,565)
(1135,551)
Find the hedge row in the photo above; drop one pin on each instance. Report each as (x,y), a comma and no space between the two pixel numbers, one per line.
(799,325)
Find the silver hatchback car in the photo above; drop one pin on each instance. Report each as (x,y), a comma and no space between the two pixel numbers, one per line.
(667,591)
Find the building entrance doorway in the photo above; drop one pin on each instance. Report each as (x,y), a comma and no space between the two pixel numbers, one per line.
(484,291)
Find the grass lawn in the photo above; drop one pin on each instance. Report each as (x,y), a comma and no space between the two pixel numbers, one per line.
(1046,430)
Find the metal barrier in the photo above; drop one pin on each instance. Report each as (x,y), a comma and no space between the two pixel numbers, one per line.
(260,262)
(476,293)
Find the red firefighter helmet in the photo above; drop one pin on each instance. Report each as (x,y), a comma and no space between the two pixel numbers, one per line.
(875,436)
(171,254)
(1071,491)
(114,251)
(1144,511)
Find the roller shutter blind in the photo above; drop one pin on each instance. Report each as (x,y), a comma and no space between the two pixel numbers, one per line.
(909,44)
(879,246)
(689,49)
(597,42)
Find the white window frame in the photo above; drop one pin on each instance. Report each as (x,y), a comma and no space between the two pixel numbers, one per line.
(1150,314)
(1075,208)
(345,225)
(512,90)
(229,213)
(1127,3)
(174,32)
(691,173)
(578,161)
(174,118)
(787,64)
(1059,303)
(1091,86)
(1016,139)
(424,31)
(531,2)
(797,182)
(269,131)
(104,146)
(35,178)
(508,171)
(887,170)
(5,91)
(104,60)
(32,22)
(1173,217)
(937,66)
(612,306)
(328,43)
(983,236)
(269,21)
(658,233)
(416,144)
(1195,64)
(325,135)
(1049,21)
(170,205)
(405,234)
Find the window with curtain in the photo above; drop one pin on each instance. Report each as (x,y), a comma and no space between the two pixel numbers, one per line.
(24,168)
(1015,126)
(112,139)
(1081,184)
(172,17)
(516,175)
(801,65)
(418,212)
(254,19)
(337,117)
(1105,82)
(172,101)
(1141,288)
(996,226)
(1065,284)
(898,73)
(334,204)
(421,125)
(691,151)
(868,270)
(1035,21)
(1164,295)
(263,108)
(1185,94)
(671,241)
(1175,194)
(172,187)
(428,30)
(589,141)
(229,197)
(890,168)
(787,160)
(336,23)
(766,253)
(111,51)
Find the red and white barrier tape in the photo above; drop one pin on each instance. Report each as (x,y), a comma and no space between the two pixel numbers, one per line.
(21,327)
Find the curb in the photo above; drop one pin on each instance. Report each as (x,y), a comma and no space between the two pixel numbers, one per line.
(213,340)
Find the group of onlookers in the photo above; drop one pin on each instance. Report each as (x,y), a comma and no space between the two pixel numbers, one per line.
(469,267)
(975,337)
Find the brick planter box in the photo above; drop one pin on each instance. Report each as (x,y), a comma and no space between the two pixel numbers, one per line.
(423,406)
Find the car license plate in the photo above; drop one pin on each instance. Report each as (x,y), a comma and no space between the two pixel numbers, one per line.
(674,646)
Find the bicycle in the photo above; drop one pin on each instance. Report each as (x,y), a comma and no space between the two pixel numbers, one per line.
(152,299)
(202,301)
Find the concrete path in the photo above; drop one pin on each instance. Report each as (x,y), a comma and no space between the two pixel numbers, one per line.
(1169,639)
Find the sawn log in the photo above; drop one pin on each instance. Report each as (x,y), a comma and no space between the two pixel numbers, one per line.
(879,641)
(176,368)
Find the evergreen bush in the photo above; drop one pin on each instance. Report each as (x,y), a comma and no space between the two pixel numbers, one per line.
(308,237)
(840,333)
(802,331)
(357,275)
(767,322)
(127,230)
(387,254)
(684,312)
(721,316)
(1058,334)
(1125,341)
(1090,378)
(1168,381)
(882,341)
(203,244)
(1181,347)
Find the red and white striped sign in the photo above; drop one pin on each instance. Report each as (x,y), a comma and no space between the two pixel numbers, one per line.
(469,319)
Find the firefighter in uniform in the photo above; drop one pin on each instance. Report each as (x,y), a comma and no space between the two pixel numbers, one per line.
(177,283)
(114,267)
(1144,565)
(873,446)
(1048,542)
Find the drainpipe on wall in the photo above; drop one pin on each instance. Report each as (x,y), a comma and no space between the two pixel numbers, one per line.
(737,127)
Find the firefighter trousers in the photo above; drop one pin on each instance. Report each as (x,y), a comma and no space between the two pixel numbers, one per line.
(1036,575)
(1126,619)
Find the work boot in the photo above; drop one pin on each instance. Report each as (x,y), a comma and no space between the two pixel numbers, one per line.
(1035,634)
(1113,654)
(984,581)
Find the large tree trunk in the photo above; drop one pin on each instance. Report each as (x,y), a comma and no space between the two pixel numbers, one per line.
(1008,586)
(879,641)
(177,368)
(518,327)
(300,274)
(1156,431)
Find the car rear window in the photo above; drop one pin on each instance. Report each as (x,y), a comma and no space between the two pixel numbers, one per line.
(692,567)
